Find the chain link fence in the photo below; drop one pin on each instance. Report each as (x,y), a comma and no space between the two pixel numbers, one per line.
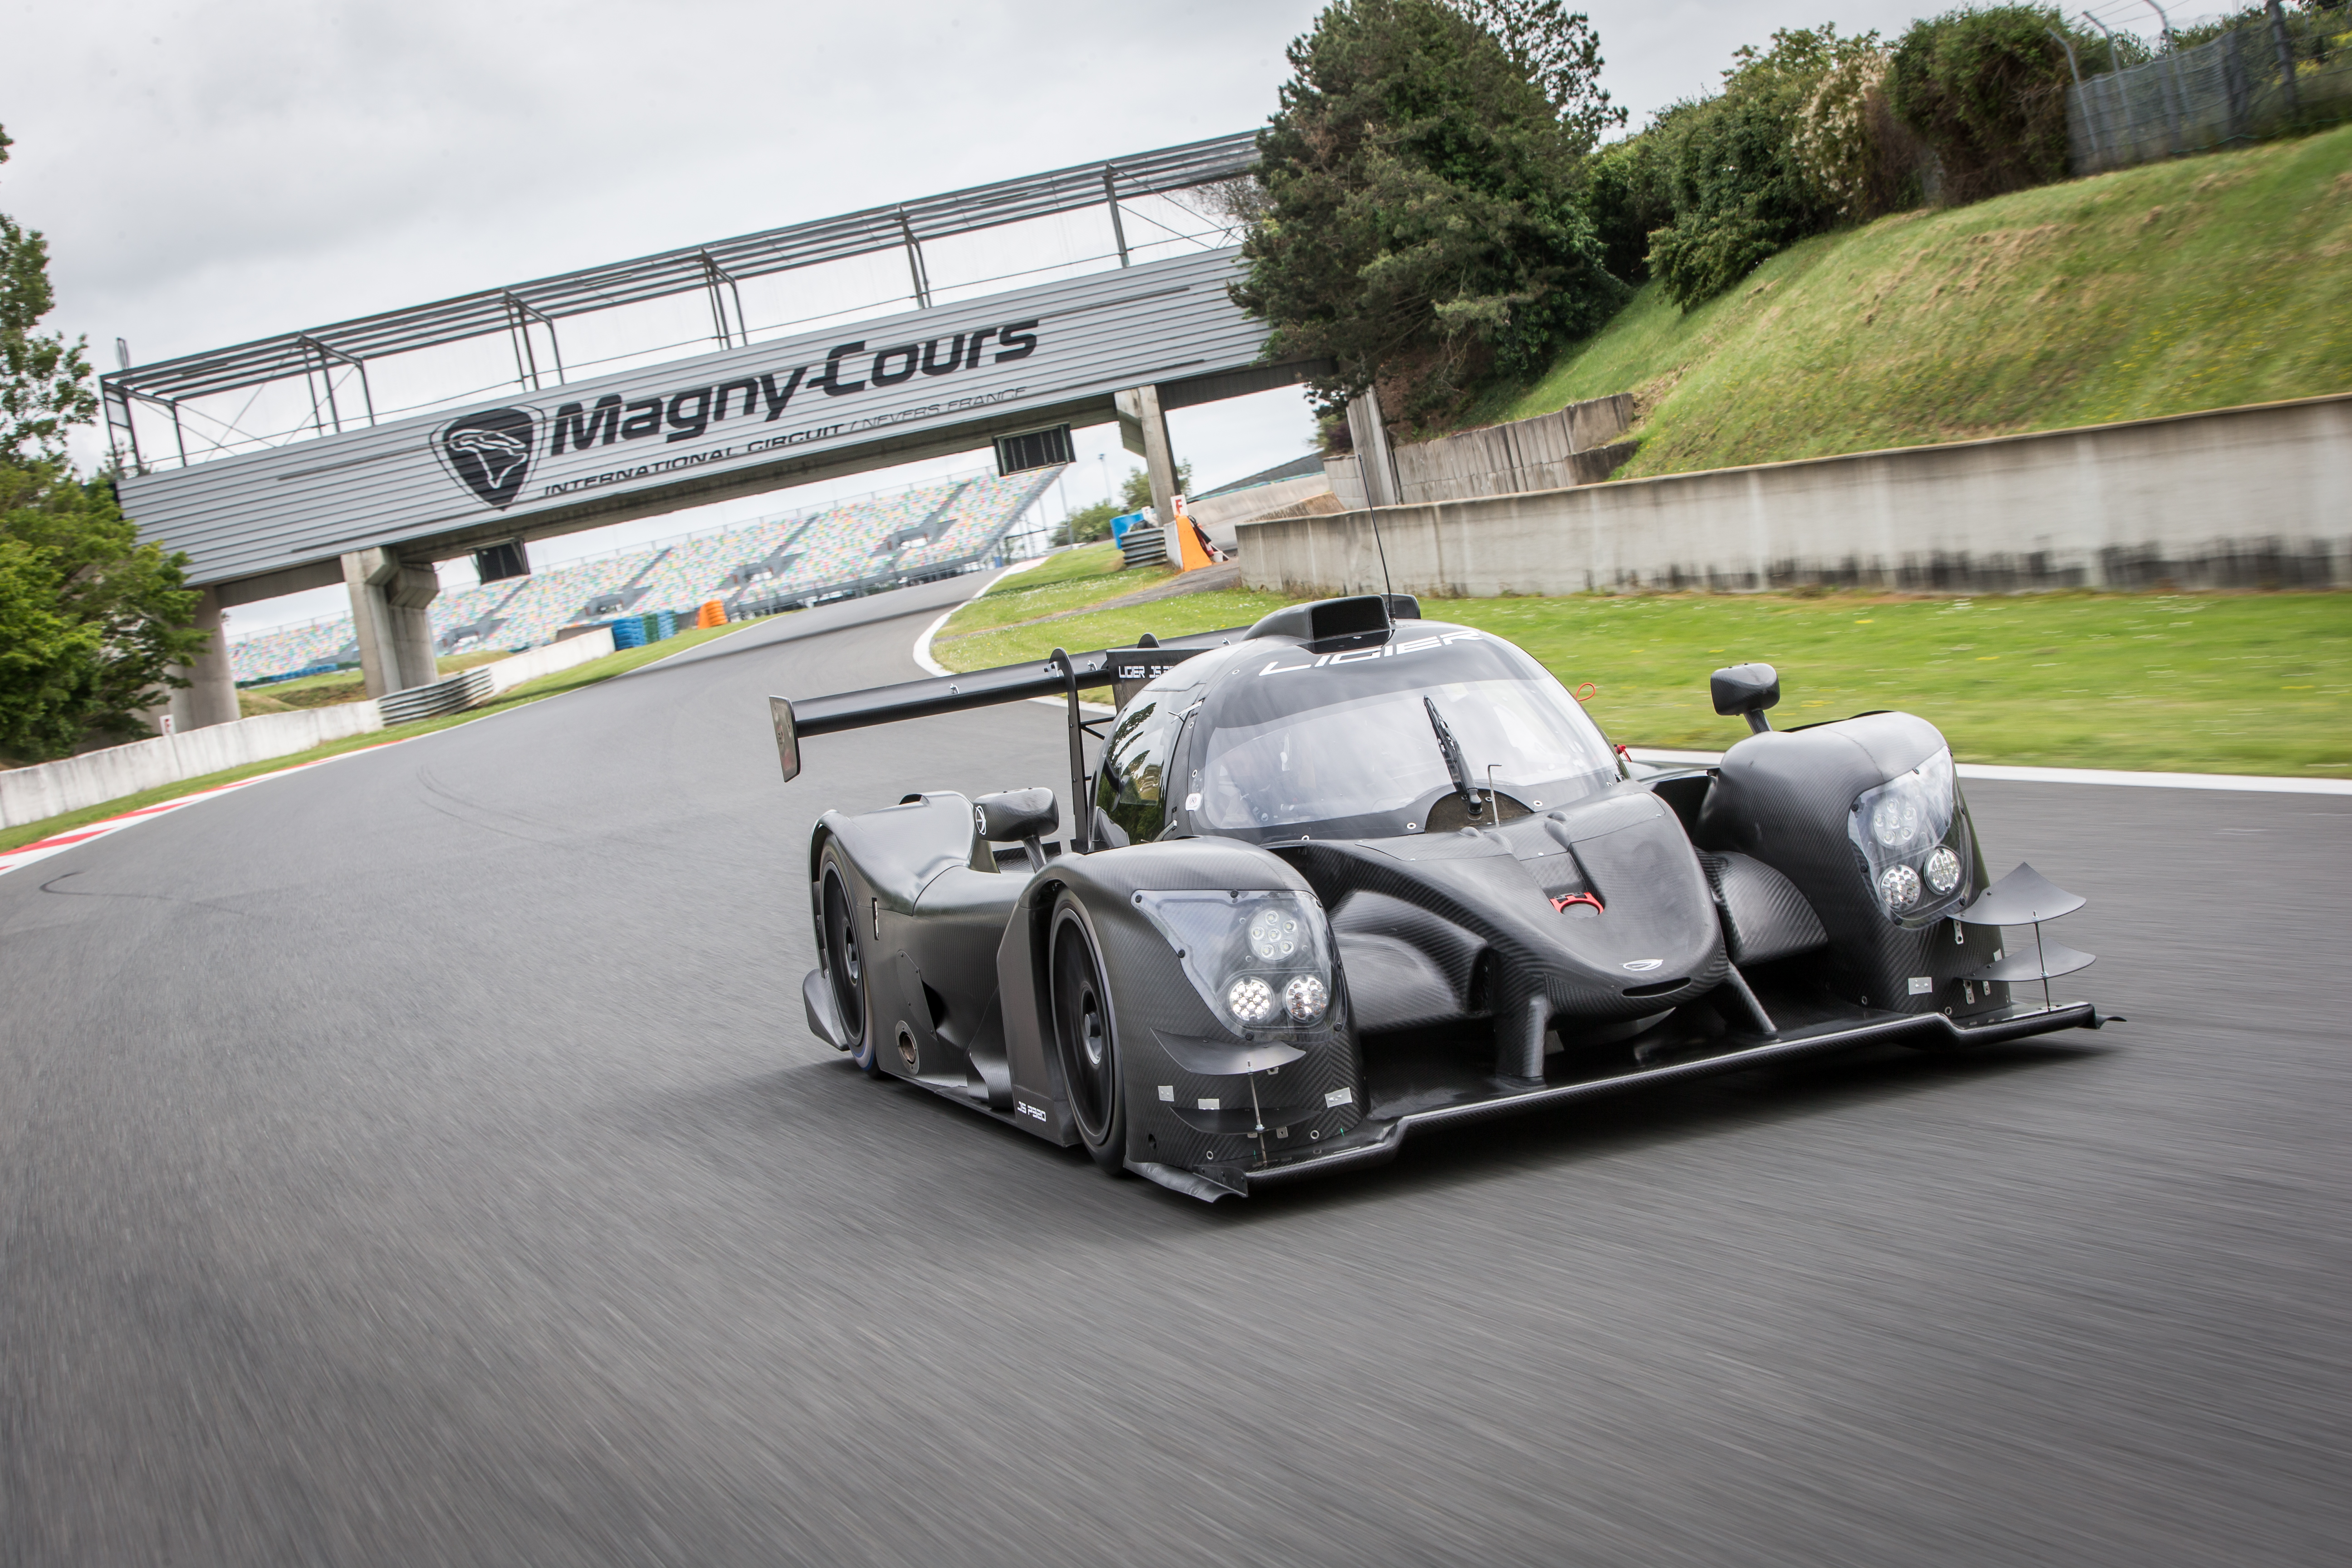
(2249,83)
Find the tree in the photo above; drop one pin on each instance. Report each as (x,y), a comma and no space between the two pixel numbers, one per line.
(1422,222)
(90,618)
(44,380)
(1089,523)
(1560,54)
(1739,190)
(1135,492)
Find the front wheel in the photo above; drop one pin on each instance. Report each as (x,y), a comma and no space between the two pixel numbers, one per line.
(1085,1036)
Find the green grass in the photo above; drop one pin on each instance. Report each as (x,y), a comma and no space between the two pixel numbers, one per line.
(546,686)
(1069,580)
(2194,683)
(2201,283)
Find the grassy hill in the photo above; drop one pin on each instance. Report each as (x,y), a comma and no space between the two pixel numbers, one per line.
(2198,284)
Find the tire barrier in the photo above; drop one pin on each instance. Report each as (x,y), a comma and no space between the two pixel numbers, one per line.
(712,614)
(466,689)
(1144,546)
(629,632)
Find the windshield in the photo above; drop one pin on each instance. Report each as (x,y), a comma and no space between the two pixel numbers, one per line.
(1296,742)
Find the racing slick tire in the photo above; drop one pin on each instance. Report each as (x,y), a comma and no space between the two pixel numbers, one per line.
(845,961)
(1086,1034)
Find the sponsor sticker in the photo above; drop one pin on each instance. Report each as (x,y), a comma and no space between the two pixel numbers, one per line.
(1922,985)
(1025,1109)
(1341,1097)
(1167,1093)
(1212,1104)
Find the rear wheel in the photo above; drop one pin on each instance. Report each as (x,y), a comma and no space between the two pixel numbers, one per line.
(844,963)
(1085,1036)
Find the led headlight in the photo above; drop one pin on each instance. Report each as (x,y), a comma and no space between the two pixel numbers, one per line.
(1897,822)
(1250,1000)
(1913,842)
(1274,932)
(1305,998)
(1261,959)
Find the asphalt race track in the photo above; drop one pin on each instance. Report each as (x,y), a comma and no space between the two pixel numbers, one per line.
(423,1159)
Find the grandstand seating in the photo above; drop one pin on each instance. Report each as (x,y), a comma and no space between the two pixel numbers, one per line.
(804,555)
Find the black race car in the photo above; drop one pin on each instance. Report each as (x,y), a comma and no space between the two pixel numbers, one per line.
(1348,872)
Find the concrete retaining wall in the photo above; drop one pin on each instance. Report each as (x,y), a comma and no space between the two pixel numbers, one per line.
(2253,497)
(509,673)
(1220,515)
(28,794)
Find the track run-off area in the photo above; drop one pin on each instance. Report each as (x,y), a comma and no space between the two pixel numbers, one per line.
(424,1159)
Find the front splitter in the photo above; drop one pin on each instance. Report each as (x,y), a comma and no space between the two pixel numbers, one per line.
(1377,1143)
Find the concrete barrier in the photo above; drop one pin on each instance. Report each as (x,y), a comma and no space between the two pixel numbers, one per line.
(28,794)
(509,673)
(2252,497)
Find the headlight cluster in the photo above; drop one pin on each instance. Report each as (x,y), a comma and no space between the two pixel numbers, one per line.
(1907,830)
(1260,960)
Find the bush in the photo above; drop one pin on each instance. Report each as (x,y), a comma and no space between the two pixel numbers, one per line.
(1089,523)
(1740,190)
(1986,91)
(1851,146)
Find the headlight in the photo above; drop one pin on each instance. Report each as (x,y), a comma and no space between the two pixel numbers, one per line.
(1304,998)
(1250,999)
(1273,933)
(1261,960)
(1911,844)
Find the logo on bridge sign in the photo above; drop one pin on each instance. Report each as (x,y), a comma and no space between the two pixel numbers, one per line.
(489,453)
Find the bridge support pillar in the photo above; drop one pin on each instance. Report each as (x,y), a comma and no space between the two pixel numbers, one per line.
(1159,459)
(211,694)
(389,598)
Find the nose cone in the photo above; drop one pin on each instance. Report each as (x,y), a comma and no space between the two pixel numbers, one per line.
(1657,924)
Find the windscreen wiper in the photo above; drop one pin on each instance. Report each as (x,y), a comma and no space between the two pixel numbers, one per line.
(1455,766)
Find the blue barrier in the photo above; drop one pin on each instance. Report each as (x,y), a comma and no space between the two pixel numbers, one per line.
(667,625)
(629,632)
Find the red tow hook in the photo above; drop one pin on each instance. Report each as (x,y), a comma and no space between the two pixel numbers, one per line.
(1563,903)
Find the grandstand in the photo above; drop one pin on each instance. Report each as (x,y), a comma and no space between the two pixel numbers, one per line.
(755,568)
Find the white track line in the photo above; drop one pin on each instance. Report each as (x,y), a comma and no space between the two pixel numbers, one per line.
(923,644)
(2252,782)
(2245,782)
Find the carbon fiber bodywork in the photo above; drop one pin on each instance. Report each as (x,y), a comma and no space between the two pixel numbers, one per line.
(1636,931)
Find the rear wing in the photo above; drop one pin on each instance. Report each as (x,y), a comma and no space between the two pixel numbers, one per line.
(1061,674)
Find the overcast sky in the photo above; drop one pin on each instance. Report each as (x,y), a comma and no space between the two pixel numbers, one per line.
(208,174)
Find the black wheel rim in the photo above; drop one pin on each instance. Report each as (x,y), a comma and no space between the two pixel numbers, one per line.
(1082,1028)
(843,965)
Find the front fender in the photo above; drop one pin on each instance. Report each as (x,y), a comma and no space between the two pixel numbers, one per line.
(1197,1094)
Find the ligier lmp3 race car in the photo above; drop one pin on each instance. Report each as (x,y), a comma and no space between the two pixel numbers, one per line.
(1347,873)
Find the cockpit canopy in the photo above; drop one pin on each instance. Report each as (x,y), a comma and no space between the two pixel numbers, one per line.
(1275,739)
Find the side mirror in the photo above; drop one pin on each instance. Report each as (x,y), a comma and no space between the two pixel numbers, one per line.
(1746,689)
(1015,815)
(1022,816)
